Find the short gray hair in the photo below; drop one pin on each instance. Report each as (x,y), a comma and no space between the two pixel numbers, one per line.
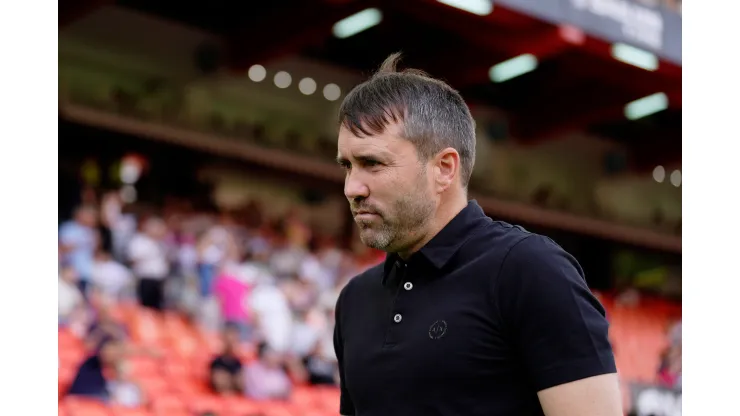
(434,115)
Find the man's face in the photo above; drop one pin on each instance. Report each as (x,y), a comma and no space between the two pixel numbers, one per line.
(388,188)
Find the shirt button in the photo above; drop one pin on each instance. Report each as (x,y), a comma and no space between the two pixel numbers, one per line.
(408,285)
(397,318)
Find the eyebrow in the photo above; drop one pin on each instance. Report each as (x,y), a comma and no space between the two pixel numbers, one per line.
(363,158)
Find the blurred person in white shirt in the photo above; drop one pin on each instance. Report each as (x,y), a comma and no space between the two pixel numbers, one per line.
(70,297)
(150,263)
(112,279)
(123,390)
(271,313)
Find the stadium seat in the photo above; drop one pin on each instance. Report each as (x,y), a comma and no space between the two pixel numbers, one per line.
(239,406)
(190,386)
(85,407)
(143,366)
(124,411)
(201,403)
(168,404)
(154,385)
(277,409)
(305,397)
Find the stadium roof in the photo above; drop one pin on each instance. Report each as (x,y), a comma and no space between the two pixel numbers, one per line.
(577,83)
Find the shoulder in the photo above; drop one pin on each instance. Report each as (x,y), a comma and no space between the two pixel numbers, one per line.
(370,277)
(495,241)
(539,270)
(367,280)
(535,251)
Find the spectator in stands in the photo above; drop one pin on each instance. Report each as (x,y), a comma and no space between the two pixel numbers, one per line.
(103,325)
(669,373)
(232,292)
(267,378)
(79,239)
(90,380)
(70,297)
(271,312)
(215,247)
(226,374)
(320,361)
(123,390)
(110,278)
(150,263)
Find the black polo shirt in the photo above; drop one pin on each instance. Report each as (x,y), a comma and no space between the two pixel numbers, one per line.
(475,323)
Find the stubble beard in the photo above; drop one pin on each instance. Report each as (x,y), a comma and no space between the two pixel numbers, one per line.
(392,231)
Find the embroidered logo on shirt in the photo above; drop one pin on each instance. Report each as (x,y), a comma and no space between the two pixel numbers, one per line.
(438,330)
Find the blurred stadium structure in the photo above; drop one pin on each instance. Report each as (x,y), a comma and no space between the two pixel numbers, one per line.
(199,109)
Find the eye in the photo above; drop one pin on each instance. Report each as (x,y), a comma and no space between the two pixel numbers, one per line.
(370,163)
(345,165)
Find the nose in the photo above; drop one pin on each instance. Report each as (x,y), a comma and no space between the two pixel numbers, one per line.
(354,187)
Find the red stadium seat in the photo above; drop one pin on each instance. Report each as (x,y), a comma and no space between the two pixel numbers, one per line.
(190,387)
(124,411)
(85,407)
(328,398)
(278,409)
(154,385)
(143,366)
(168,404)
(202,403)
(240,406)
(305,397)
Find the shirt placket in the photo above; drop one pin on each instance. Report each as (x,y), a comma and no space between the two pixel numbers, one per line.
(396,316)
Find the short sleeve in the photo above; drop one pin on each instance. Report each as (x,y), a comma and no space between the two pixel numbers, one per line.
(553,320)
(346,407)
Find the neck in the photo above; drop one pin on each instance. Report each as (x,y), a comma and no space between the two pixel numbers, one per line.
(445,213)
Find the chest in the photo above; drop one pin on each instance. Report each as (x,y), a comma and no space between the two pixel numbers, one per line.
(427,331)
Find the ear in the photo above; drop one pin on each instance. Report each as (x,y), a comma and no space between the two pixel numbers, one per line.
(446,169)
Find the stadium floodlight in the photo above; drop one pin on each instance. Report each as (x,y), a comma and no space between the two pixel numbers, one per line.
(479,7)
(257,73)
(352,25)
(659,174)
(646,105)
(307,86)
(676,178)
(635,56)
(332,92)
(282,79)
(513,68)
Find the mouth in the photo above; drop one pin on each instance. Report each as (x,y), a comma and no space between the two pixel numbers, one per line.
(364,215)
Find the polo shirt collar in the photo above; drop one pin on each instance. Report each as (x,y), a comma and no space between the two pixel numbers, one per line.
(440,249)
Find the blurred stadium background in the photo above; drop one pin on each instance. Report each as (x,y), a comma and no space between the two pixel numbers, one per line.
(207,130)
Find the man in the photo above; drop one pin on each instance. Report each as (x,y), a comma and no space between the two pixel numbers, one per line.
(150,263)
(467,316)
(78,240)
(226,375)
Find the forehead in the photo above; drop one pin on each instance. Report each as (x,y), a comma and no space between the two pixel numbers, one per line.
(389,141)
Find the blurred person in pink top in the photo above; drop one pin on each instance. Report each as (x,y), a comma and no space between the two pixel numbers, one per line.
(267,378)
(232,290)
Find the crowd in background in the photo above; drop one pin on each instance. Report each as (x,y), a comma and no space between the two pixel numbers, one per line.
(670,370)
(270,284)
